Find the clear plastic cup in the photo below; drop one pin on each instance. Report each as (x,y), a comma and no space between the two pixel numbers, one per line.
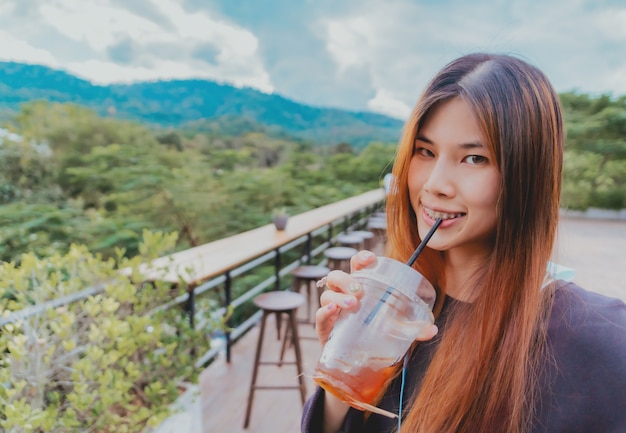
(364,346)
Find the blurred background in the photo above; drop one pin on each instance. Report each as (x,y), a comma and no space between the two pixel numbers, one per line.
(178,115)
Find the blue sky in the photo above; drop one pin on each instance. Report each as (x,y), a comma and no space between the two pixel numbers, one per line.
(374,55)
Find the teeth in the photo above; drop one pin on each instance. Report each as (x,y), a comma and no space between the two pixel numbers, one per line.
(444,216)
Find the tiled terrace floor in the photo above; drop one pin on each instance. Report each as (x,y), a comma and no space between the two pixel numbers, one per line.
(595,249)
(225,386)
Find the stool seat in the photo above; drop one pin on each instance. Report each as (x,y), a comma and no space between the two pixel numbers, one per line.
(377,219)
(339,257)
(379,227)
(340,253)
(350,240)
(310,272)
(279,301)
(367,236)
(377,223)
(307,275)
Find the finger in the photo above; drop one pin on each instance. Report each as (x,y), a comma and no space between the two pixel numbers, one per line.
(339,281)
(361,260)
(427,333)
(342,300)
(325,318)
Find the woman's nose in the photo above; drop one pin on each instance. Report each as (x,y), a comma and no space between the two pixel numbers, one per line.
(440,181)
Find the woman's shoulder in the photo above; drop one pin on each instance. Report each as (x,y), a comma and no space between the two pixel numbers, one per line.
(586,369)
(576,307)
(582,321)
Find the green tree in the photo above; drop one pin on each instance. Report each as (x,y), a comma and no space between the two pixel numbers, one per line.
(26,172)
(596,146)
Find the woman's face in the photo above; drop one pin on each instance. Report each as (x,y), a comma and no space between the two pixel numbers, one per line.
(453,175)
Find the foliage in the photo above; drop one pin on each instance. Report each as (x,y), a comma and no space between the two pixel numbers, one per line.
(107,362)
(26,171)
(75,176)
(595,163)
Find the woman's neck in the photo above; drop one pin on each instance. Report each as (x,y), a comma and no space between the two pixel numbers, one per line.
(461,273)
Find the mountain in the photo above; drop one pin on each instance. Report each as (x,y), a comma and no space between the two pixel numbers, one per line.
(184,103)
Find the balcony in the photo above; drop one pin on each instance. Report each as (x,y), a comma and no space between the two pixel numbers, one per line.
(215,267)
(232,271)
(594,248)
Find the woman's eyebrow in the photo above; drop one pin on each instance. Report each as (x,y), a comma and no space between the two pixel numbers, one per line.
(469,145)
(424,139)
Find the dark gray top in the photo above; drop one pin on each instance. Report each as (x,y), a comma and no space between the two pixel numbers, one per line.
(584,390)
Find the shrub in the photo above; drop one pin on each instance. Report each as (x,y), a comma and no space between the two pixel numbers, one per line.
(609,199)
(109,361)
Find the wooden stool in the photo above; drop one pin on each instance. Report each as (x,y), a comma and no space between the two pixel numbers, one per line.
(339,257)
(308,275)
(350,240)
(368,238)
(379,227)
(279,302)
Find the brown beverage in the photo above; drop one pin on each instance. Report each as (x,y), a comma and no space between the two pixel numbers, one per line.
(361,385)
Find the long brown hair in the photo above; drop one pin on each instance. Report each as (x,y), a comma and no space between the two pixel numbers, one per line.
(483,376)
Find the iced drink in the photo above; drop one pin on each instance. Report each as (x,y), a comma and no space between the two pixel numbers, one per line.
(364,346)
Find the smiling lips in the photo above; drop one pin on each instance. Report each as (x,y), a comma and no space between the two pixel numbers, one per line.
(443,215)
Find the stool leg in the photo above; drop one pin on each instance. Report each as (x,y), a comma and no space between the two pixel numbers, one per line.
(278,325)
(308,301)
(317,292)
(296,287)
(286,337)
(296,345)
(255,369)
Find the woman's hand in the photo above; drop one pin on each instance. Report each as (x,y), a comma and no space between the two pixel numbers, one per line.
(343,292)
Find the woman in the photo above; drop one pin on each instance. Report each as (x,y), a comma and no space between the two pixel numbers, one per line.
(512,351)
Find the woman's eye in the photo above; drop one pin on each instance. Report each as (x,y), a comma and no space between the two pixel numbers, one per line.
(475,159)
(422,151)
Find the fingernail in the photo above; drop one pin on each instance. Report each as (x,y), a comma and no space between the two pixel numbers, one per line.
(355,287)
(347,302)
(367,254)
(331,306)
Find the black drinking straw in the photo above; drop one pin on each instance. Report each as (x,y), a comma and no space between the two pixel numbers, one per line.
(410,262)
(422,244)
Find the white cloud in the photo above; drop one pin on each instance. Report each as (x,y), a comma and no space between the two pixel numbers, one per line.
(347,42)
(401,44)
(97,23)
(104,72)
(386,103)
(101,25)
(17,50)
(611,23)
(231,39)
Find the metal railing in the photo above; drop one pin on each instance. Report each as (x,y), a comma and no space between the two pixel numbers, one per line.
(312,246)
(304,246)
